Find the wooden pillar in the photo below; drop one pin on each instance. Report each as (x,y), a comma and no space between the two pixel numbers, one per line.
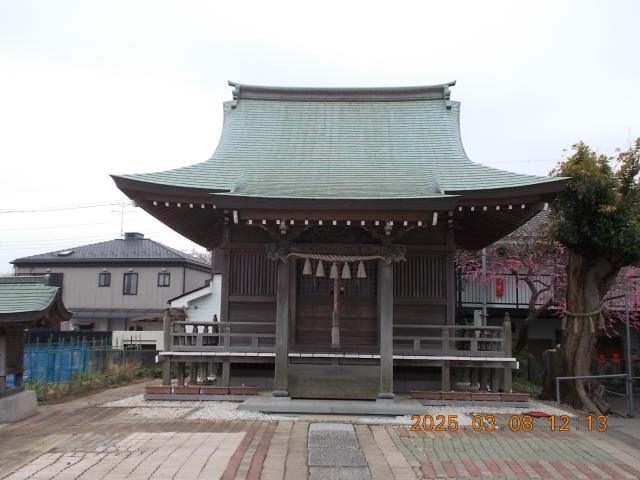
(281,380)
(495,380)
(3,362)
(193,373)
(506,328)
(450,279)
(167,347)
(224,297)
(225,328)
(225,377)
(335,315)
(446,376)
(180,380)
(484,379)
(166,371)
(385,322)
(166,329)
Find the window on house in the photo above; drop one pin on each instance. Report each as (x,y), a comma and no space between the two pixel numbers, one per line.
(164,279)
(130,285)
(104,279)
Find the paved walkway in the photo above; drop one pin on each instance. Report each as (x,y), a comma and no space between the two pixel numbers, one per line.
(83,440)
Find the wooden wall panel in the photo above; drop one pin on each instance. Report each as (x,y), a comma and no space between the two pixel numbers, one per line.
(358,322)
(414,314)
(421,276)
(252,274)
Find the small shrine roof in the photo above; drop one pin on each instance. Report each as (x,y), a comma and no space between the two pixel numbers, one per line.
(26,299)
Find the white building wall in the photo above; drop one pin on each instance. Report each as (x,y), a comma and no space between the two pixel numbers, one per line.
(203,304)
(125,337)
(81,290)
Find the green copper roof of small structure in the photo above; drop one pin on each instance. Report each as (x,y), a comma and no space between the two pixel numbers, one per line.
(25,297)
(310,143)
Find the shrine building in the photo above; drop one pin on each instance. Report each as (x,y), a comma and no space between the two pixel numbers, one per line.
(334,215)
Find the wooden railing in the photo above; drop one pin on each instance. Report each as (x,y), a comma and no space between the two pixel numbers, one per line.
(456,340)
(431,340)
(184,336)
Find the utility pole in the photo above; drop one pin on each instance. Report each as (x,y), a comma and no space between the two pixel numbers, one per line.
(485,287)
(629,372)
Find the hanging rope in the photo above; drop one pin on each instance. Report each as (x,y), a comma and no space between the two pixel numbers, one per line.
(335,258)
(597,314)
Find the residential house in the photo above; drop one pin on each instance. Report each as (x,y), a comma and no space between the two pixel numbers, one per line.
(121,284)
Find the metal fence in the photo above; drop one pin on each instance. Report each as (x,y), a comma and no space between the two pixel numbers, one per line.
(513,292)
(628,387)
(66,364)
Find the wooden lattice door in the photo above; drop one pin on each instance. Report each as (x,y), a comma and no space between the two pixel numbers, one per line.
(357,309)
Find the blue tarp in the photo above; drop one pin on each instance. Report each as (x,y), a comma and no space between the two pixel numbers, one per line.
(53,363)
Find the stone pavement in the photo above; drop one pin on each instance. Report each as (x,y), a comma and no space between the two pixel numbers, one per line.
(83,440)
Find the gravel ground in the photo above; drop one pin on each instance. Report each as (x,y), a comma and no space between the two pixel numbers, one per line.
(209,410)
(155,412)
(139,401)
(206,410)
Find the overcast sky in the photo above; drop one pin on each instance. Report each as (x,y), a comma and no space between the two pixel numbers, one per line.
(91,88)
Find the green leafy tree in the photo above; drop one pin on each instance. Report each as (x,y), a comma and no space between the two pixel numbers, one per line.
(597,218)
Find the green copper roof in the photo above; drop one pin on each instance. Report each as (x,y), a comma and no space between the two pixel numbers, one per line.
(25,297)
(340,143)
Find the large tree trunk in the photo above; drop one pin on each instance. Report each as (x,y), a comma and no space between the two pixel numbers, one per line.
(533,313)
(588,281)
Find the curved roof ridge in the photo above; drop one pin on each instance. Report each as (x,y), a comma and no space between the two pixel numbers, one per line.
(439,91)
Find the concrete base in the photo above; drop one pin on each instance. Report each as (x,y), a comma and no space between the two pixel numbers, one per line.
(196,397)
(333,407)
(19,406)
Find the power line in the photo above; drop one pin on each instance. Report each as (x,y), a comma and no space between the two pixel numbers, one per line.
(65,207)
(61,226)
(67,241)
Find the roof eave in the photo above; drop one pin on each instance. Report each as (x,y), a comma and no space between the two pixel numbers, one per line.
(444,202)
(136,188)
(545,188)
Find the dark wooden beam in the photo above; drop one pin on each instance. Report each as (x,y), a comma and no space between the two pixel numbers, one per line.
(355,216)
(281,380)
(385,316)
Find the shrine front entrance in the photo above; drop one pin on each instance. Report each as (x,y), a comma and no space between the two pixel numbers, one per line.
(336,321)
(351,314)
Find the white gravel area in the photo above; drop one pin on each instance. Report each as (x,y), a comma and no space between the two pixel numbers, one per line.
(155,412)
(226,411)
(222,410)
(205,410)
(139,401)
